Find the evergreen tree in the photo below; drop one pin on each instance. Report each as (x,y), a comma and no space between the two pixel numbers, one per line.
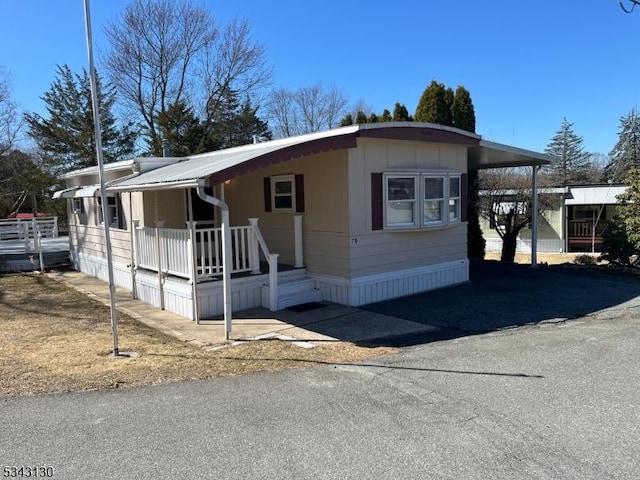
(347,120)
(373,118)
(386,116)
(66,137)
(400,113)
(246,126)
(464,117)
(183,130)
(571,163)
(462,111)
(626,153)
(361,117)
(435,105)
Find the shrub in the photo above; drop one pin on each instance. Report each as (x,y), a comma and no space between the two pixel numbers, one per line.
(616,247)
(584,259)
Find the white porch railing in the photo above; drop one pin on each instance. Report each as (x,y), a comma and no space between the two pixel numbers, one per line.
(209,251)
(170,249)
(196,254)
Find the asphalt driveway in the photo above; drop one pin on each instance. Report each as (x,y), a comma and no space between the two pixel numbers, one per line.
(499,296)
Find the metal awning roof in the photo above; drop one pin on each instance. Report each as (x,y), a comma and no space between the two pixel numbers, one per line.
(219,166)
(497,155)
(77,192)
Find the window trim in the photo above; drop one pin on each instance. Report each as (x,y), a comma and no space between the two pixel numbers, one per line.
(385,191)
(419,202)
(115,218)
(283,178)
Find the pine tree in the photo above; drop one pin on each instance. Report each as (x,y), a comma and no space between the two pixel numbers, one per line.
(400,113)
(182,130)
(435,105)
(571,163)
(386,116)
(462,111)
(626,153)
(246,125)
(347,120)
(361,117)
(66,137)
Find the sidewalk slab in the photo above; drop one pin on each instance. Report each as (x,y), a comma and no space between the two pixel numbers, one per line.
(328,322)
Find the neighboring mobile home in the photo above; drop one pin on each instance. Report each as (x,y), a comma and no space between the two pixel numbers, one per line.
(573,221)
(352,215)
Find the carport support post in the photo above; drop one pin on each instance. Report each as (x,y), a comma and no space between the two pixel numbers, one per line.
(159,225)
(534,216)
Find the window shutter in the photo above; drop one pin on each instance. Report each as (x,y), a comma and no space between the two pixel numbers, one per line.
(267,194)
(299,193)
(96,213)
(464,198)
(377,201)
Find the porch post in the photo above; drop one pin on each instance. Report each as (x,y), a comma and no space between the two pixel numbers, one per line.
(134,254)
(273,281)
(159,225)
(254,254)
(534,217)
(226,271)
(193,269)
(297,228)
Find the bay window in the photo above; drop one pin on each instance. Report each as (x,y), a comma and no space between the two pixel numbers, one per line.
(421,199)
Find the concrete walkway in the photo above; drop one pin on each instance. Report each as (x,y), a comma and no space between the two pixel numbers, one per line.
(328,323)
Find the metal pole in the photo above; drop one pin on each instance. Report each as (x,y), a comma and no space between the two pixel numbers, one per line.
(103,193)
(534,217)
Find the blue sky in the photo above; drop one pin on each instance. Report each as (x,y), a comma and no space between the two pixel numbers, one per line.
(526,64)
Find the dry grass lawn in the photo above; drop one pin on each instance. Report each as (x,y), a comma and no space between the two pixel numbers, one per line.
(548,258)
(54,339)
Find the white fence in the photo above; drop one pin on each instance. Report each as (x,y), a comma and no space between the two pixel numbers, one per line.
(18,229)
(524,246)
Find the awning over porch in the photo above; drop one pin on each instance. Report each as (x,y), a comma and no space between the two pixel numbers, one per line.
(77,192)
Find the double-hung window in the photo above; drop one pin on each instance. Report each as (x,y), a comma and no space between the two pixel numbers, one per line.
(113,212)
(283,193)
(421,199)
(401,201)
(433,200)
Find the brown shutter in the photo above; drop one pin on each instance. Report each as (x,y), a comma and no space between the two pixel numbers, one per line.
(464,197)
(96,208)
(299,193)
(267,194)
(377,201)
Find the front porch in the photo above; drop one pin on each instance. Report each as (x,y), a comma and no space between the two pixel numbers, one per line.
(182,270)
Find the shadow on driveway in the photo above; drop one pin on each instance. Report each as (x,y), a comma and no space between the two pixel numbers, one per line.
(500,296)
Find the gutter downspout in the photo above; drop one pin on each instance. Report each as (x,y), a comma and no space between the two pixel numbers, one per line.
(226,255)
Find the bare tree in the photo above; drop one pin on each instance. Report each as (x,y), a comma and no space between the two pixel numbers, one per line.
(163,52)
(10,119)
(506,203)
(629,5)
(308,109)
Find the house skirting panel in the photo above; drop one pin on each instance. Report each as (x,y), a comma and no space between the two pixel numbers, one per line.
(376,288)
(97,267)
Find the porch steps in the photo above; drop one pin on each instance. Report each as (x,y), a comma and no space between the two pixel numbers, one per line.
(293,290)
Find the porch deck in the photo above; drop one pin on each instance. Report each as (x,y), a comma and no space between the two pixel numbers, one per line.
(16,257)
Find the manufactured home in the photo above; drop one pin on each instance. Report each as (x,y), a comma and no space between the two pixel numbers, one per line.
(352,215)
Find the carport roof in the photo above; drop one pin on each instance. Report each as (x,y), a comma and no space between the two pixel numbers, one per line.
(219,166)
(497,155)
